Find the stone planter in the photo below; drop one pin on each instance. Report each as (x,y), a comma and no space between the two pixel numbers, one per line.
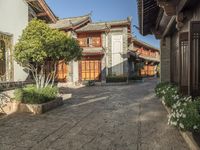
(17,107)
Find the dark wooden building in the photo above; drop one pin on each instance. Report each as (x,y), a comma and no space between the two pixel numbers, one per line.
(177,24)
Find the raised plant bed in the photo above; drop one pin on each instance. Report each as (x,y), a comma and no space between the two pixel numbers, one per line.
(17,107)
(187,136)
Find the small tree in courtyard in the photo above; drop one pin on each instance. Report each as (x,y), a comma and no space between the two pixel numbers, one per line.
(40,46)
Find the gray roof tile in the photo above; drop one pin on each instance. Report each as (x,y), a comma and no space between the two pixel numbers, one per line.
(69,22)
(100,26)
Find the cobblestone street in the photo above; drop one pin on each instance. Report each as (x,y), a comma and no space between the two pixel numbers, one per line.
(127,117)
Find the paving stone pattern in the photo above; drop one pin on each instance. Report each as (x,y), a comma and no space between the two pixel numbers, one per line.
(127,117)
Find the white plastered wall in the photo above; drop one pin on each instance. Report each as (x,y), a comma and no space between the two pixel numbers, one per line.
(14,18)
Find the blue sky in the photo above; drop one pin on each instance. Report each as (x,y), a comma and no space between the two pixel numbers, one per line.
(102,10)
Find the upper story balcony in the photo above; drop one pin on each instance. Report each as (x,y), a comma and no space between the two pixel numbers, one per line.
(148,53)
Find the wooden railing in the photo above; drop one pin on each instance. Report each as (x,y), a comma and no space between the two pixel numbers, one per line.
(147,53)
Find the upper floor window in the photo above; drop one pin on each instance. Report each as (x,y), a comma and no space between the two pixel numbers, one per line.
(90,41)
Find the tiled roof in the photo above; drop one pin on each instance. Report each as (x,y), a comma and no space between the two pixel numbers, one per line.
(93,27)
(100,26)
(42,10)
(144,44)
(69,22)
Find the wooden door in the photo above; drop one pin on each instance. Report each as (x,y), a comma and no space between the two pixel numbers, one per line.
(61,74)
(90,70)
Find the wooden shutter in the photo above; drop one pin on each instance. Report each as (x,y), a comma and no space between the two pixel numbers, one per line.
(184,62)
(195,58)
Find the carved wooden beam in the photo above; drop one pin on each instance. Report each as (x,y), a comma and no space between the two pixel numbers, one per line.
(169,6)
(179,19)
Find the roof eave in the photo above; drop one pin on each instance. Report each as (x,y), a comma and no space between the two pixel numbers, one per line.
(47,11)
(90,31)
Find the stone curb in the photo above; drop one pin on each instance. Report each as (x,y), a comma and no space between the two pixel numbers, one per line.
(187,136)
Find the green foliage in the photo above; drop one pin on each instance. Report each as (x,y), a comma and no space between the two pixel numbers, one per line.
(185,112)
(159,90)
(168,92)
(110,79)
(185,115)
(114,78)
(135,78)
(39,42)
(91,83)
(171,96)
(31,95)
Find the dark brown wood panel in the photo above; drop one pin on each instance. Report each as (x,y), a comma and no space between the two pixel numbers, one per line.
(184,62)
(174,59)
(195,58)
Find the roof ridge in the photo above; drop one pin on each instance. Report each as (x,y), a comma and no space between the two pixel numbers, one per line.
(87,15)
(109,21)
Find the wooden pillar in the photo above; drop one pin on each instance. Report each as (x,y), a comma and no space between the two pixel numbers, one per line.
(165,59)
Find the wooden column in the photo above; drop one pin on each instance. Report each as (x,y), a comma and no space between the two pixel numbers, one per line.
(165,59)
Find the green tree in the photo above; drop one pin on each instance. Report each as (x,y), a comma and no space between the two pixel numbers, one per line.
(39,45)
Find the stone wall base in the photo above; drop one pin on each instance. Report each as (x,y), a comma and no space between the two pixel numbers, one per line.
(17,107)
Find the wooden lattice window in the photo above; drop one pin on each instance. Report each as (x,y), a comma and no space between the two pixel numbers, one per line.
(2,58)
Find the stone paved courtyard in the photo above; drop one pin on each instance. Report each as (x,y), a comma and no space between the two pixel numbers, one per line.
(125,117)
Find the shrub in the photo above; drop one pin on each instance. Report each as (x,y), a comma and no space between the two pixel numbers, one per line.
(136,78)
(185,115)
(171,96)
(185,112)
(160,89)
(168,92)
(31,95)
(110,79)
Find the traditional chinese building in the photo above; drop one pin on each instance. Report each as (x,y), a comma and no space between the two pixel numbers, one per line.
(144,56)
(69,72)
(177,24)
(105,47)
